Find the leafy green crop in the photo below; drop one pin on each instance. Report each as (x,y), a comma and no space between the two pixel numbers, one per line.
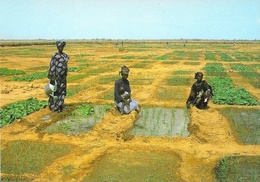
(225,92)
(6,72)
(226,57)
(31,77)
(84,110)
(215,69)
(19,109)
(241,67)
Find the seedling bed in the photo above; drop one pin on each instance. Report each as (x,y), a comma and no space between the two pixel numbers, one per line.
(245,123)
(238,168)
(82,119)
(161,122)
(136,166)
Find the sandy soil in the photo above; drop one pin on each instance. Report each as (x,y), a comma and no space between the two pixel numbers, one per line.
(211,137)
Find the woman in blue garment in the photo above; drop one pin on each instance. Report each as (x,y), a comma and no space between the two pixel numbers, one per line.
(123,82)
(58,73)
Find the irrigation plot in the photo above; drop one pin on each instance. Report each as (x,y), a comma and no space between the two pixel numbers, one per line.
(238,168)
(81,120)
(161,122)
(136,166)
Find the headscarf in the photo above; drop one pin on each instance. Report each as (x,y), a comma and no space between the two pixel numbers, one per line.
(124,70)
(198,73)
(60,43)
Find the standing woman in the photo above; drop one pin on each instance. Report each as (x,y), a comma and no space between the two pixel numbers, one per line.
(58,72)
(123,82)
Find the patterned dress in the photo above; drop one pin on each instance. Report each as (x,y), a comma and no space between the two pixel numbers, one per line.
(58,71)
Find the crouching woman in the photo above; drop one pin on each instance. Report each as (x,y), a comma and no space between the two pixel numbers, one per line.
(123,83)
(200,93)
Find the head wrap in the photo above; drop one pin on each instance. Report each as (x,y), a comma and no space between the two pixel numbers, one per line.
(60,43)
(124,70)
(198,73)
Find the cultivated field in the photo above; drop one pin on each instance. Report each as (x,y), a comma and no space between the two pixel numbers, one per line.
(221,143)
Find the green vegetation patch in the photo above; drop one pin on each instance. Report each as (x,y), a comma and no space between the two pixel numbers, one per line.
(83,110)
(83,66)
(210,56)
(75,89)
(112,57)
(194,55)
(108,79)
(136,166)
(104,69)
(19,109)
(25,52)
(81,60)
(170,94)
(245,123)
(142,81)
(29,157)
(74,69)
(163,57)
(30,77)
(225,92)
(150,56)
(39,68)
(83,55)
(225,57)
(77,77)
(192,63)
(128,57)
(7,72)
(140,65)
(169,62)
(256,56)
(181,72)
(178,80)
(215,69)
(180,55)
(255,66)
(82,119)
(109,95)
(238,168)
(240,56)
(249,73)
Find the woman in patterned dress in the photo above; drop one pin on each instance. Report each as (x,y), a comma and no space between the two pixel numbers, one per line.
(58,72)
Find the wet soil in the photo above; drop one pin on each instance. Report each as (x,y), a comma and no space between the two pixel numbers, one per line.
(211,137)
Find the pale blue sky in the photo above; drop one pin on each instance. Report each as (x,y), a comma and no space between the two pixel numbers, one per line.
(130,19)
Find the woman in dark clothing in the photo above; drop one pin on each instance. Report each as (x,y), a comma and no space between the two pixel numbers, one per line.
(58,72)
(200,93)
(123,82)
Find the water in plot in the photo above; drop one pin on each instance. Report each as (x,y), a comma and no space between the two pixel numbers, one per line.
(162,122)
(238,168)
(136,166)
(79,123)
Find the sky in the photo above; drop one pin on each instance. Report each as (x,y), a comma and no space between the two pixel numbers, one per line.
(130,19)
